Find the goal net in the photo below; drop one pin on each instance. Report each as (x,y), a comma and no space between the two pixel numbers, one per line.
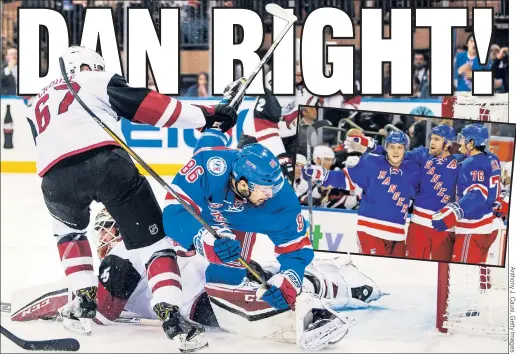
(485,108)
(472,300)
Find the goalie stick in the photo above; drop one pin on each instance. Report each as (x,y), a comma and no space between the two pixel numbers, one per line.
(274,9)
(61,344)
(310,131)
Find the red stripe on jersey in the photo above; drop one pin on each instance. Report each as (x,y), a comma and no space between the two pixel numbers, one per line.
(152,107)
(473,225)
(305,241)
(266,136)
(423,215)
(79,268)
(374,225)
(478,187)
(167,282)
(262,124)
(169,196)
(77,249)
(290,117)
(175,115)
(76,152)
(351,184)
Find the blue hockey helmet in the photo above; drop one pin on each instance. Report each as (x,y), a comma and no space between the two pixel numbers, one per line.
(445,131)
(259,167)
(476,132)
(397,137)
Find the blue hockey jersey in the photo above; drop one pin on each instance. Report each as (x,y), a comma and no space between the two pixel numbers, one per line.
(387,192)
(477,189)
(437,185)
(204,182)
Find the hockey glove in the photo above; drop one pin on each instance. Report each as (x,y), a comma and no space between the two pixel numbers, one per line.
(318,174)
(447,217)
(501,207)
(359,144)
(221,116)
(283,290)
(217,251)
(231,90)
(287,165)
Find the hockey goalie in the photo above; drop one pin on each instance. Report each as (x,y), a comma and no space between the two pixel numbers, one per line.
(125,294)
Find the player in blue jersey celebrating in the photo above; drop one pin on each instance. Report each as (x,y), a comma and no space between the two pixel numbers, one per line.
(478,187)
(437,185)
(389,183)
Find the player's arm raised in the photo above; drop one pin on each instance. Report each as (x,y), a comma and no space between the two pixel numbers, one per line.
(347,178)
(142,105)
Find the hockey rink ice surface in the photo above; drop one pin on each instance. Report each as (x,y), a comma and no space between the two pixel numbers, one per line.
(404,321)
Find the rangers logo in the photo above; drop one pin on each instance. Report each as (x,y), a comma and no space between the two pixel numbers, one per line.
(217,166)
(153,229)
(273,163)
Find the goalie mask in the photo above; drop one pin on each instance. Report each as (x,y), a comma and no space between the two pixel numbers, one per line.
(105,233)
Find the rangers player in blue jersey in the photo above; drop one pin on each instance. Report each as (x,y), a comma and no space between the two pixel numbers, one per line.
(388,183)
(478,187)
(437,185)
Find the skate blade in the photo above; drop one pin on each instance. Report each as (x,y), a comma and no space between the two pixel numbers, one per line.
(81,326)
(192,345)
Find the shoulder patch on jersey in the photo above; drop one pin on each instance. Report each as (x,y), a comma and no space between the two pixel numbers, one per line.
(217,166)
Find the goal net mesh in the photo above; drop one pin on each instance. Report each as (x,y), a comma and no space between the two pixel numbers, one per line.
(485,108)
(473,300)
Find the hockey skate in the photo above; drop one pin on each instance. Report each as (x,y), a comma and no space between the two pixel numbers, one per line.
(175,325)
(78,314)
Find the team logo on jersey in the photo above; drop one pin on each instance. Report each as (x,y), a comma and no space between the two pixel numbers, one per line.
(273,163)
(217,166)
(153,229)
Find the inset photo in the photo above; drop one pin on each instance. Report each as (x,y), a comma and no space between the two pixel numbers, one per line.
(425,188)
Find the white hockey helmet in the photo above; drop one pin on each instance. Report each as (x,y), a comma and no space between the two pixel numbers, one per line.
(76,56)
(105,233)
(301,159)
(323,152)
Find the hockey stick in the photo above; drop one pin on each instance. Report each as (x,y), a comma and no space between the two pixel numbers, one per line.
(149,169)
(273,9)
(310,130)
(62,344)
(277,11)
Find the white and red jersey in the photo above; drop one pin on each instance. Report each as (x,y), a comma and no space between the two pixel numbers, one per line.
(63,128)
(276,117)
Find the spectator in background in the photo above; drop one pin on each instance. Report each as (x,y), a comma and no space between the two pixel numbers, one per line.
(9,74)
(417,132)
(308,116)
(424,88)
(500,68)
(420,68)
(200,89)
(465,63)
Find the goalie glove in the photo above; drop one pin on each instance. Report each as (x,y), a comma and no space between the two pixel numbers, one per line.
(217,251)
(221,116)
(283,290)
(318,174)
(447,217)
